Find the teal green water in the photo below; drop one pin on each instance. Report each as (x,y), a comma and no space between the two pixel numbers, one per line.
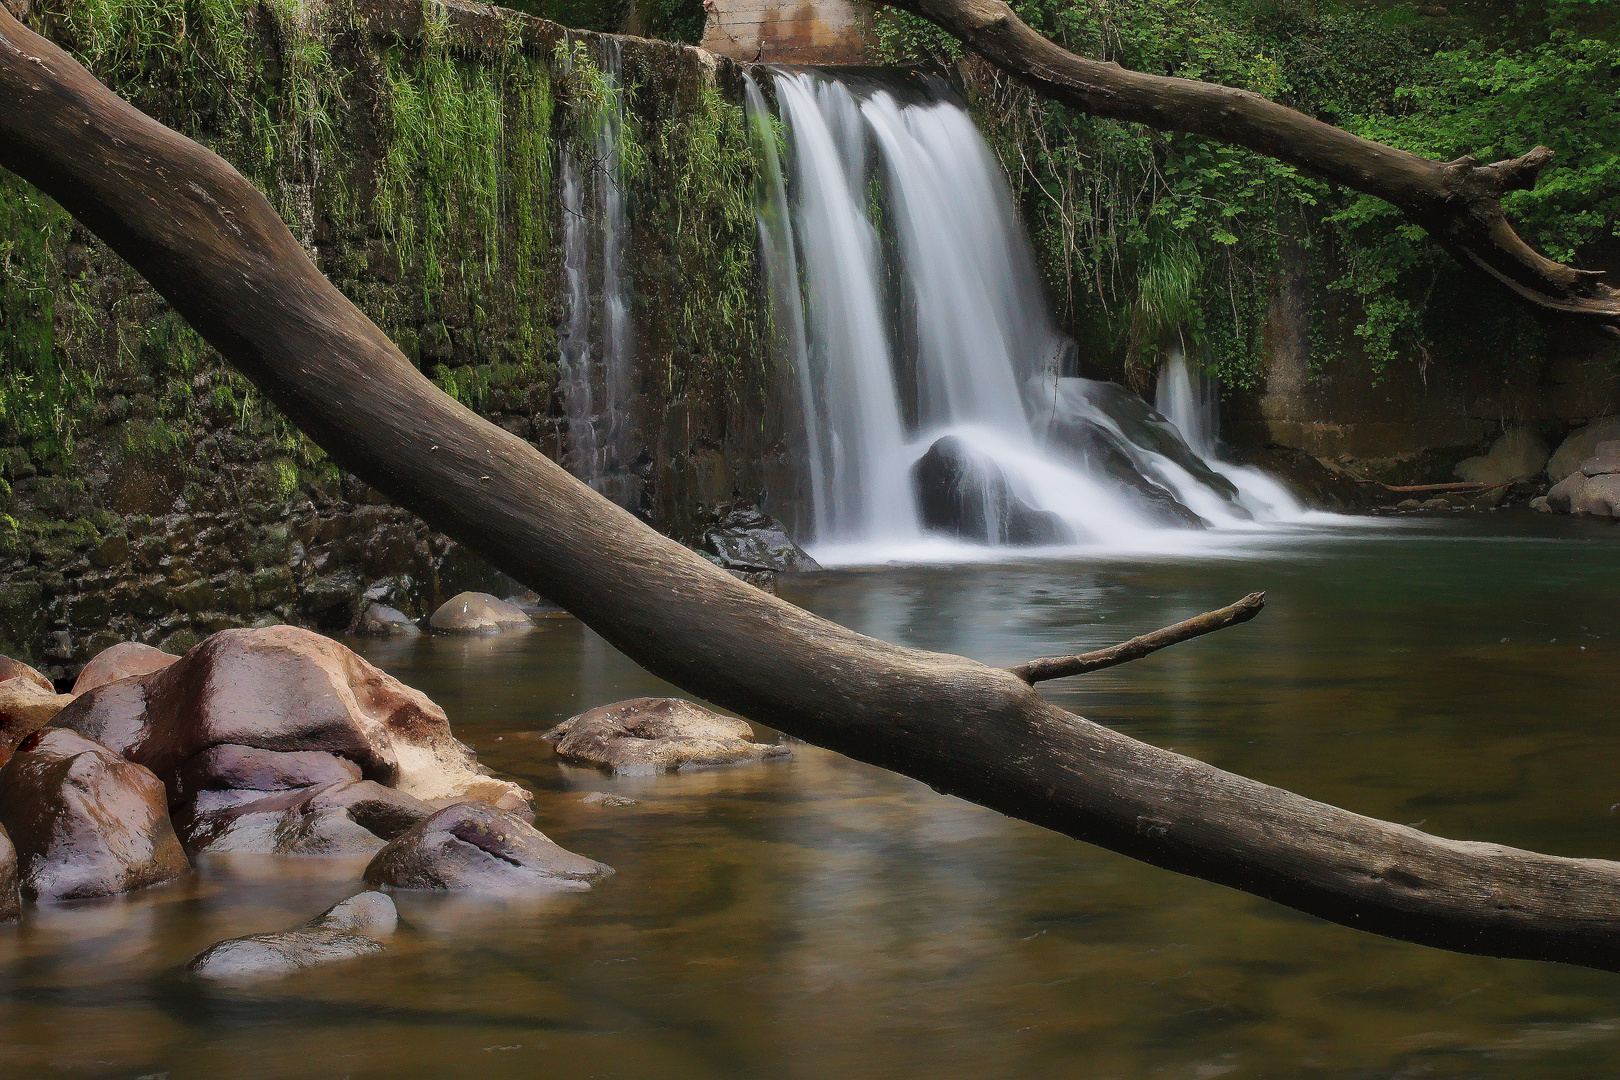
(823,919)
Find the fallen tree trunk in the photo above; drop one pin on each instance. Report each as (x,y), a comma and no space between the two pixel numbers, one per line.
(1458,203)
(212,245)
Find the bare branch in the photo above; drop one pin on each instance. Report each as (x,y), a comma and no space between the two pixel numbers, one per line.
(1058,667)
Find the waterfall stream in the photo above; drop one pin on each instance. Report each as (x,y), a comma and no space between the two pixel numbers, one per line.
(938,417)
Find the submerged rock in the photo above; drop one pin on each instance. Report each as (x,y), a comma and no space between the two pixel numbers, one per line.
(1518,455)
(10,894)
(1113,435)
(359,926)
(85,822)
(350,817)
(478,613)
(478,848)
(25,708)
(1581,444)
(383,621)
(285,689)
(120,662)
(964,493)
(747,539)
(649,735)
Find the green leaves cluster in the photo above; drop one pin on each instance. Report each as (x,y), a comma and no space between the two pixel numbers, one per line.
(1145,233)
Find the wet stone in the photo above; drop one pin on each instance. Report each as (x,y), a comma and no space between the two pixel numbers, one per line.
(359,926)
(650,735)
(351,817)
(474,847)
(478,613)
(85,822)
(121,661)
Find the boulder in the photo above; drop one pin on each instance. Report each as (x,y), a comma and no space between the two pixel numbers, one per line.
(120,662)
(649,735)
(1581,444)
(229,767)
(1589,489)
(285,689)
(85,822)
(476,847)
(478,613)
(358,926)
(10,894)
(381,620)
(745,538)
(964,493)
(350,817)
(1605,460)
(16,669)
(24,709)
(1518,455)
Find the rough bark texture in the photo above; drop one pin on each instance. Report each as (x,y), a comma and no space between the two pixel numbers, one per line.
(1458,202)
(212,245)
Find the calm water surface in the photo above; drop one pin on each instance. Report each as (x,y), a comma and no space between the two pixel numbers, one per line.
(824,919)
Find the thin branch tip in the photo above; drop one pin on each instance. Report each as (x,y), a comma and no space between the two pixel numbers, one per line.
(1058,667)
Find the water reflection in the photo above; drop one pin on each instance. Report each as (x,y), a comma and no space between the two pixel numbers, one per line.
(818,917)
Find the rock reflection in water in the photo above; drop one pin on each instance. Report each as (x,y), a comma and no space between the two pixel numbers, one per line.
(821,918)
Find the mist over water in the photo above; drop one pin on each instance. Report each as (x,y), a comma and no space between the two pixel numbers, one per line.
(908,302)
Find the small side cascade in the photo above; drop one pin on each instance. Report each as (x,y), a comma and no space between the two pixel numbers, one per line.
(933,378)
(597,350)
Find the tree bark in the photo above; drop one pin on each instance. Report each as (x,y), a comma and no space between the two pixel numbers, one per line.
(1458,203)
(212,245)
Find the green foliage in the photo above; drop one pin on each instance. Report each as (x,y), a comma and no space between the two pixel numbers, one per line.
(1121,215)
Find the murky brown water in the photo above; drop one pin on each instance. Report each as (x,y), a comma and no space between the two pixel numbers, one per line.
(824,919)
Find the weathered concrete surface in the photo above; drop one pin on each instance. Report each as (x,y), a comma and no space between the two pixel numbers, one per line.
(789,31)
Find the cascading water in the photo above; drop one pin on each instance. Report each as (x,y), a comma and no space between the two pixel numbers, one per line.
(598,337)
(930,367)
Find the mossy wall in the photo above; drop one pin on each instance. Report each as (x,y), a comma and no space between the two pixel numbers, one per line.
(412,147)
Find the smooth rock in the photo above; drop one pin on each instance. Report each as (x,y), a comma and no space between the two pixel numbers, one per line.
(16,669)
(383,621)
(964,493)
(10,893)
(649,735)
(247,768)
(745,538)
(1518,455)
(478,613)
(351,817)
(24,709)
(1581,444)
(286,689)
(1540,505)
(1599,496)
(85,822)
(475,847)
(120,662)
(1604,460)
(359,926)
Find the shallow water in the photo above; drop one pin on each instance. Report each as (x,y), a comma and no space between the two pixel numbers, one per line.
(822,918)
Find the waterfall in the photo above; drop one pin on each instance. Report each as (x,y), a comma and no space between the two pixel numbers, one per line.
(597,347)
(930,368)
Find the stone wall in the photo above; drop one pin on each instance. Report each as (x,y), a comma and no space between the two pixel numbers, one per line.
(789,31)
(149,492)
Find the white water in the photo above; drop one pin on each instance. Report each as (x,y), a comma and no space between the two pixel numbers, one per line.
(1191,401)
(598,337)
(901,275)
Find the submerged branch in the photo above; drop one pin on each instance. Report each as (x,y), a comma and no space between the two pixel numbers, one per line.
(1058,667)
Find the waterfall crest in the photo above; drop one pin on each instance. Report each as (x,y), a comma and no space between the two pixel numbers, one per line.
(931,371)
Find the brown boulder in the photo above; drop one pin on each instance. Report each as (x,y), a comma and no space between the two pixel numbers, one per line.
(85,822)
(648,735)
(120,662)
(25,708)
(358,926)
(285,689)
(478,848)
(478,613)
(16,669)
(10,895)
(351,817)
